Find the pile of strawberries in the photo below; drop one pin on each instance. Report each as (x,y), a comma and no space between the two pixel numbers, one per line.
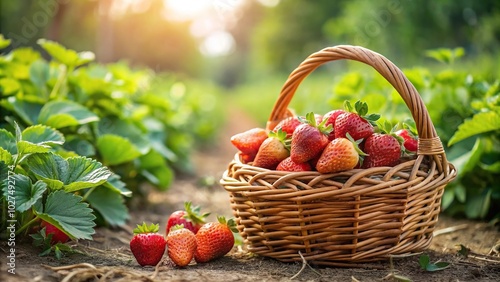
(188,237)
(338,141)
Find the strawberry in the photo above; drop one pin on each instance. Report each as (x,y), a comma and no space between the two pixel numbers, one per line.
(357,124)
(410,142)
(147,245)
(58,236)
(190,218)
(248,142)
(382,150)
(330,118)
(214,240)
(288,125)
(309,139)
(289,165)
(339,155)
(272,151)
(181,245)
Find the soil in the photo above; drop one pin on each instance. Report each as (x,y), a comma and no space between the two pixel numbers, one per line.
(108,257)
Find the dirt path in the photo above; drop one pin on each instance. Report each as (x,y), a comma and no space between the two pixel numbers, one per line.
(108,257)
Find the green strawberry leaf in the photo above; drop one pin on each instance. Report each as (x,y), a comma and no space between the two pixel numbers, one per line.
(110,205)
(40,74)
(65,56)
(67,212)
(4,43)
(27,111)
(59,114)
(424,261)
(5,156)
(115,149)
(127,130)
(73,174)
(156,170)
(114,183)
(38,139)
(9,86)
(26,193)
(425,264)
(8,141)
(479,123)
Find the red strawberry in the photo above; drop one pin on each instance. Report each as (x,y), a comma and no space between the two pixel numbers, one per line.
(358,124)
(181,243)
(289,165)
(248,142)
(330,118)
(309,140)
(410,142)
(381,150)
(247,158)
(272,151)
(288,125)
(190,218)
(214,240)
(147,245)
(339,155)
(58,236)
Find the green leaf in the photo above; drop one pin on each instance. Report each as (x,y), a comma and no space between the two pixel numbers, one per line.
(67,212)
(114,183)
(466,162)
(25,192)
(38,139)
(9,86)
(72,174)
(4,43)
(156,170)
(42,135)
(115,149)
(477,206)
(128,130)
(27,111)
(110,205)
(40,74)
(65,56)
(59,114)
(480,123)
(424,261)
(8,141)
(437,266)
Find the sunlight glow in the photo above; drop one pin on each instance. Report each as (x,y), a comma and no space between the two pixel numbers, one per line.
(219,43)
(183,10)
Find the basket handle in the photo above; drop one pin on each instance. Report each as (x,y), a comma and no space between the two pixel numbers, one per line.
(428,143)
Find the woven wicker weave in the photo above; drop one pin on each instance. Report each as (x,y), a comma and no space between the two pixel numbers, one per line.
(346,218)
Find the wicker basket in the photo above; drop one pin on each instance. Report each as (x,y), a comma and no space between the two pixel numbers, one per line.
(346,218)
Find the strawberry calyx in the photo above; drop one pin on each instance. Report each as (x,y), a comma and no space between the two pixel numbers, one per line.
(322,127)
(177,227)
(193,214)
(230,223)
(282,137)
(144,228)
(356,143)
(361,109)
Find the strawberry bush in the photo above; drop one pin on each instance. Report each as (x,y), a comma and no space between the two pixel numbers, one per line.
(78,138)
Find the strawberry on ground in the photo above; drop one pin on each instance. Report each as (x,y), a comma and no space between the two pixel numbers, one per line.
(382,150)
(147,245)
(190,218)
(358,124)
(248,142)
(181,245)
(330,118)
(339,155)
(272,151)
(214,240)
(58,236)
(289,165)
(288,125)
(309,139)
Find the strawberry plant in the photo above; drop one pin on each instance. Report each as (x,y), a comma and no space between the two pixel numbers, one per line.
(45,190)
